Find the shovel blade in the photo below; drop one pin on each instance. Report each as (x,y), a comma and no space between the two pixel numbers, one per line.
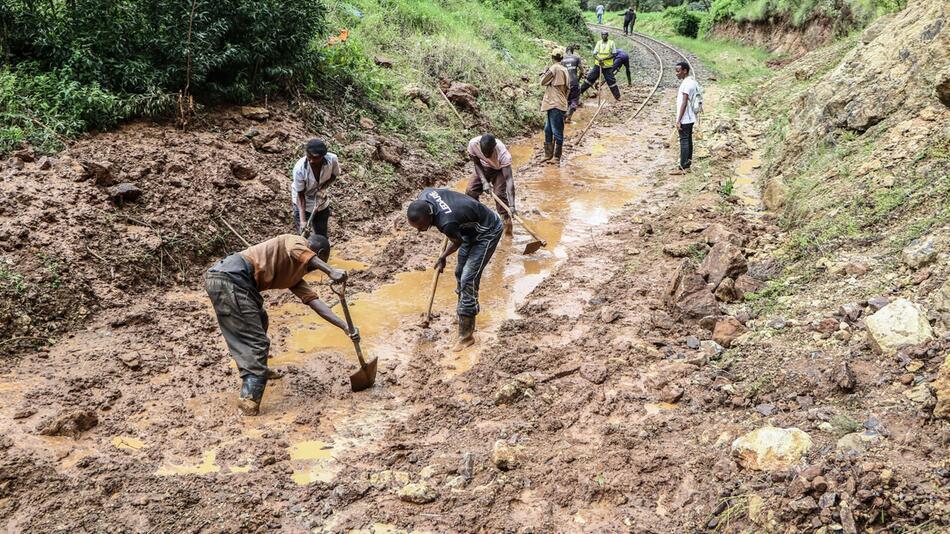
(533,247)
(365,377)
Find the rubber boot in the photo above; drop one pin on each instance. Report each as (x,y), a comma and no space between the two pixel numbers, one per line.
(466,333)
(548,151)
(558,148)
(567,118)
(252,391)
(509,230)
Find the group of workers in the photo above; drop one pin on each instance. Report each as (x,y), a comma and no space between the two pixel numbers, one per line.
(473,231)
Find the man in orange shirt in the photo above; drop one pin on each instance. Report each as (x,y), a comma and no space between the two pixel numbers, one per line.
(234,285)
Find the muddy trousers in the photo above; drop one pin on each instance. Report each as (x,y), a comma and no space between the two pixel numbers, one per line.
(243,323)
(609,77)
(628,26)
(496,178)
(554,126)
(320,224)
(473,257)
(686,145)
(573,100)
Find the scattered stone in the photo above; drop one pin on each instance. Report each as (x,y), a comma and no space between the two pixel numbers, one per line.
(726,292)
(856,268)
(897,325)
(508,393)
(843,377)
(688,295)
(827,500)
(941,386)
(130,360)
(680,249)
(255,113)
(670,394)
(242,171)
(100,171)
(124,192)
(724,260)
(778,323)
(827,325)
(851,311)
(919,252)
(504,456)
(367,123)
(770,448)
(594,372)
(906,379)
(383,62)
(251,133)
(727,330)
(70,423)
(711,348)
(775,193)
(389,154)
(23,412)
(717,233)
(609,314)
(25,155)
(417,493)
(45,163)
(463,95)
(920,394)
(857,443)
(692,342)
(876,303)
(273,146)
(805,504)
(692,227)
(765,409)
(745,284)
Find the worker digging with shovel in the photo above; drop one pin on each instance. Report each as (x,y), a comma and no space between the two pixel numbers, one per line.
(493,174)
(471,229)
(234,286)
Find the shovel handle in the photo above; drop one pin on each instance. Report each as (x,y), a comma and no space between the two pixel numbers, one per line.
(518,218)
(435,282)
(349,320)
(305,231)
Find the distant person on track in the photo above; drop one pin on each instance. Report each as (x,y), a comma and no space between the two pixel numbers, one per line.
(572,62)
(629,19)
(234,286)
(623,60)
(492,163)
(474,231)
(556,82)
(312,175)
(685,115)
(600,13)
(605,52)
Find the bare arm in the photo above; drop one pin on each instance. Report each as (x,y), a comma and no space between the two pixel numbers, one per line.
(509,187)
(302,209)
(335,275)
(327,314)
(682,111)
(454,245)
(480,172)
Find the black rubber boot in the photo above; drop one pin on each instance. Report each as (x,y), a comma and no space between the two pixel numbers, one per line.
(466,333)
(558,149)
(548,151)
(252,391)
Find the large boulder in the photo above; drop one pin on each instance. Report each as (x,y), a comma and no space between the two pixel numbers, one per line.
(899,324)
(724,260)
(770,448)
(688,295)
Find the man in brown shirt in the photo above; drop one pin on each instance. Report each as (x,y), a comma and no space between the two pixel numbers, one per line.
(556,87)
(234,285)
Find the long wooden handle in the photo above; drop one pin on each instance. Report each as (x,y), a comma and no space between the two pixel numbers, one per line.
(349,324)
(517,218)
(305,231)
(435,281)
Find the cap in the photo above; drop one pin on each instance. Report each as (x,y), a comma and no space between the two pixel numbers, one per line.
(316,147)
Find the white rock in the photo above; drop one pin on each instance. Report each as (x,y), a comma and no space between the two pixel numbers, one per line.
(770,448)
(897,325)
(919,253)
(417,493)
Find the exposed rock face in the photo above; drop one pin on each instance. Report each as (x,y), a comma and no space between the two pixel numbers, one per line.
(897,325)
(770,448)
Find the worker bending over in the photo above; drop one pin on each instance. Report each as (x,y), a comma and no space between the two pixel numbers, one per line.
(623,60)
(605,52)
(473,230)
(492,163)
(234,285)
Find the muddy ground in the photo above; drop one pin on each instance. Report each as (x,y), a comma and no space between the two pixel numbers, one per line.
(592,403)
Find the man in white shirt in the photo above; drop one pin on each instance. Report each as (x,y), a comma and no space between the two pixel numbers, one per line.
(313,173)
(685,116)
(600,14)
(492,163)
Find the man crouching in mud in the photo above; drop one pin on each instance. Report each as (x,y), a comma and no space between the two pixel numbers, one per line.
(234,285)
(473,230)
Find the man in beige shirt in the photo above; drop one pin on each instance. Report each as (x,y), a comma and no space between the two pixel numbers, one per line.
(556,87)
(234,285)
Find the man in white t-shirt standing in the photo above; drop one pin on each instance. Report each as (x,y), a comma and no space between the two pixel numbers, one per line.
(313,173)
(600,13)
(492,163)
(685,116)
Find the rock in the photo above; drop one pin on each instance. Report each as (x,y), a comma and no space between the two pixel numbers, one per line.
(827,325)
(692,342)
(609,314)
(388,154)
(724,260)
(463,95)
(827,500)
(775,193)
(851,311)
(416,93)
(367,123)
(777,323)
(692,227)
(727,330)
(670,394)
(899,324)
(919,253)
(942,89)
(716,233)
(130,360)
(388,478)
(274,146)
(711,348)
(509,393)
(26,155)
(417,493)
(100,171)
(124,192)
(680,249)
(255,113)
(745,284)
(847,518)
(594,372)
(765,409)
(843,377)
(687,294)
(45,163)
(876,303)
(383,62)
(804,504)
(504,456)
(770,448)
(857,443)
(941,386)
(855,268)
(69,423)
(726,292)
(242,171)
(920,394)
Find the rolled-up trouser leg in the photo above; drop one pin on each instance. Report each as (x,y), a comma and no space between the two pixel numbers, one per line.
(243,323)
(479,250)
(612,81)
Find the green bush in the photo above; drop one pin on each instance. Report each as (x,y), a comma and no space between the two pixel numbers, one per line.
(684,21)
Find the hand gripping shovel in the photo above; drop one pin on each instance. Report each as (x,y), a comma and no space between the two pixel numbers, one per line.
(366,376)
(531,247)
(435,284)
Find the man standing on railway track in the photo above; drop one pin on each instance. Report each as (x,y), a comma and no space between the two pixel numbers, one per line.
(312,175)
(234,286)
(556,82)
(492,163)
(629,19)
(605,52)
(473,230)
(572,62)
(685,116)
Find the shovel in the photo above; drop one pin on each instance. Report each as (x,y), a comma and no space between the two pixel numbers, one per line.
(366,376)
(308,228)
(435,284)
(531,247)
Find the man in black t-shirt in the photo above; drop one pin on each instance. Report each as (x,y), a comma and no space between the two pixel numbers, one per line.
(572,62)
(473,230)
